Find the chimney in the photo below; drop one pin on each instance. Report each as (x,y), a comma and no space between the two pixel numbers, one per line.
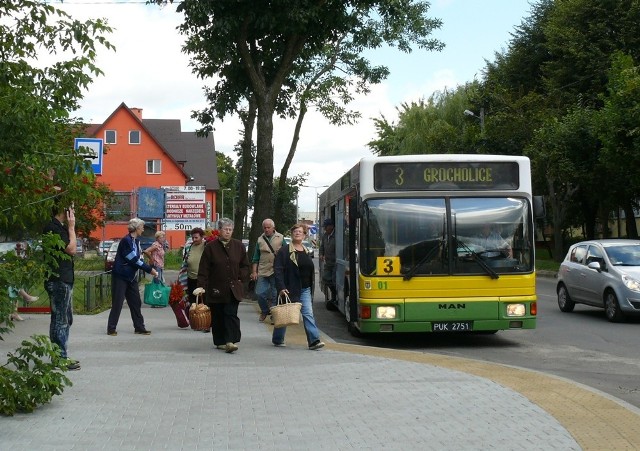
(137,112)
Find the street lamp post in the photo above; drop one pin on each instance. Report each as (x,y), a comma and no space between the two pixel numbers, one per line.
(222,206)
(480,117)
(317,199)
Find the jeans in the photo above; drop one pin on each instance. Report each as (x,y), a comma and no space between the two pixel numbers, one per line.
(61,301)
(309,322)
(266,291)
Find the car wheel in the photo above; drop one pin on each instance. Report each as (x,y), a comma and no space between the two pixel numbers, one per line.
(564,300)
(612,307)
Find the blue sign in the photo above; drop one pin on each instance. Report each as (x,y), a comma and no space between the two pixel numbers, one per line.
(150,203)
(313,229)
(91,150)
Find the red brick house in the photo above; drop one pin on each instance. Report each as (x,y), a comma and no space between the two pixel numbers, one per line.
(142,155)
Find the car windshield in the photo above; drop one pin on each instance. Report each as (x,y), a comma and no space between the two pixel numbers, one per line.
(624,255)
(447,236)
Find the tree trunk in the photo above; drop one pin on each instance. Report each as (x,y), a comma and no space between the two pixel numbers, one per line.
(263,205)
(630,221)
(240,213)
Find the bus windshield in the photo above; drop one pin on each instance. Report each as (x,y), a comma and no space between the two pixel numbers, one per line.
(448,236)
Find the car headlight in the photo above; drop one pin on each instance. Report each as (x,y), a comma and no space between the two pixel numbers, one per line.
(631,283)
(516,310)
(386,312)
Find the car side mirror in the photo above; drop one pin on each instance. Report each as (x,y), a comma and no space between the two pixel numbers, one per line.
(595,265)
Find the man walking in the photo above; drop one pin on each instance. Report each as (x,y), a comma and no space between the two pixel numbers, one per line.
(59,285)
(267,246)
(328,257)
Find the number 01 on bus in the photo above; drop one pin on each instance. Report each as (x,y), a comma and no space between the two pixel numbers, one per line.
(433,243)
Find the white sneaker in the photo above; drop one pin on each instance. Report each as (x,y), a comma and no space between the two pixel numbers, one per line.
(231,347)
(316,345)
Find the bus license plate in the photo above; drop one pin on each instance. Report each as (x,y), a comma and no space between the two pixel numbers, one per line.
(452,326)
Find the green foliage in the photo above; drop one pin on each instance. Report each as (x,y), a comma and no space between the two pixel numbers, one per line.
(39,168)
(37,165)
(33,374)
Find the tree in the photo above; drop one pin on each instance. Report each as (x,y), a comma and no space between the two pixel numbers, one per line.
(38,166)
(262,48)
(427,127)
(619,131)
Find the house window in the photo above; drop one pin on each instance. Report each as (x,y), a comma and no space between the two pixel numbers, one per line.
(134,136)
(110,137)
(154,166)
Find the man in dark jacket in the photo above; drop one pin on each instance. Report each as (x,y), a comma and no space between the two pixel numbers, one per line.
(223,271)
(124,279)
(328,257)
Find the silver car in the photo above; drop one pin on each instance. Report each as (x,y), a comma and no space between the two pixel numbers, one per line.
(601,273)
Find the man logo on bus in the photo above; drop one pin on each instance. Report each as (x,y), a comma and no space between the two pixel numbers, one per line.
(452,306)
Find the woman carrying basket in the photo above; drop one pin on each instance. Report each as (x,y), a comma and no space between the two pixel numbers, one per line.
(294,271)
(222,273)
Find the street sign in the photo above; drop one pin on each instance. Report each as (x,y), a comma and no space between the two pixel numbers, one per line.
(92,151)
(185,208)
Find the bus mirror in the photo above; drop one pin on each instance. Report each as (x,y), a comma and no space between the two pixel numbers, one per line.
(538,207)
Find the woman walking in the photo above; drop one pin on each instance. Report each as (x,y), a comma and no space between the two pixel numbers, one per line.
(223,271)
(294,272)
(155,252)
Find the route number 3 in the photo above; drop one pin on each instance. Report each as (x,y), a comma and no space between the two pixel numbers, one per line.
(388,266)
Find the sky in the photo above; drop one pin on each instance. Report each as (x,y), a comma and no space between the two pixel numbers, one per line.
(149,71)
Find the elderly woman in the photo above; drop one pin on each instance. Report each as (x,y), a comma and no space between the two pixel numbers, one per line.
(294,272)
(124,279)
(222,273)
(155,252)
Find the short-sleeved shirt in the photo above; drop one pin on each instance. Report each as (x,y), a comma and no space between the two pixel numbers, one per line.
(64,271)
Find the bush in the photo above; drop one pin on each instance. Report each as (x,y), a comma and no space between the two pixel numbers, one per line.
(33,374)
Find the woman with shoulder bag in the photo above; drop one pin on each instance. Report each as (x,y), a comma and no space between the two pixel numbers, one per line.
(294,271)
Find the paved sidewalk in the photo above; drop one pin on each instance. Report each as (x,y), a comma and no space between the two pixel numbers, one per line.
(173,390)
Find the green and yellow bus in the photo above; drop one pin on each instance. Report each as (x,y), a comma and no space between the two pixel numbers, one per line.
(434,243)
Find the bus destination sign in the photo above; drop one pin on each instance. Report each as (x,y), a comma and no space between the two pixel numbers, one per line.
(446,176)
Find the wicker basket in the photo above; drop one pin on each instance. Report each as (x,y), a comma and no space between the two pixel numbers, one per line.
(285,313)
(199,315)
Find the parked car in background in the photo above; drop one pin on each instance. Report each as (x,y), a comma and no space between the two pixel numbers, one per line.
(103,247)
(79,247)
(309,247)
(8,246)
(110,256)
(601,273)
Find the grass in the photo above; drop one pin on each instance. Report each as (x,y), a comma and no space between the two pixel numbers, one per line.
(545,262)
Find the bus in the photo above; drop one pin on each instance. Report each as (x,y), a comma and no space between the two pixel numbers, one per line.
(433,243)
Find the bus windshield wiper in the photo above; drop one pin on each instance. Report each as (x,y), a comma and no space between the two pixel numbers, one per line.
(423,260)
(478,260)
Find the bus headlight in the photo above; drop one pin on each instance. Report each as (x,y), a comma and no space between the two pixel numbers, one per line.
(386,312)
(516,310)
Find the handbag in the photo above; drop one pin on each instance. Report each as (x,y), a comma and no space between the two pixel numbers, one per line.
(156,294)
(285,313)
(199,315)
